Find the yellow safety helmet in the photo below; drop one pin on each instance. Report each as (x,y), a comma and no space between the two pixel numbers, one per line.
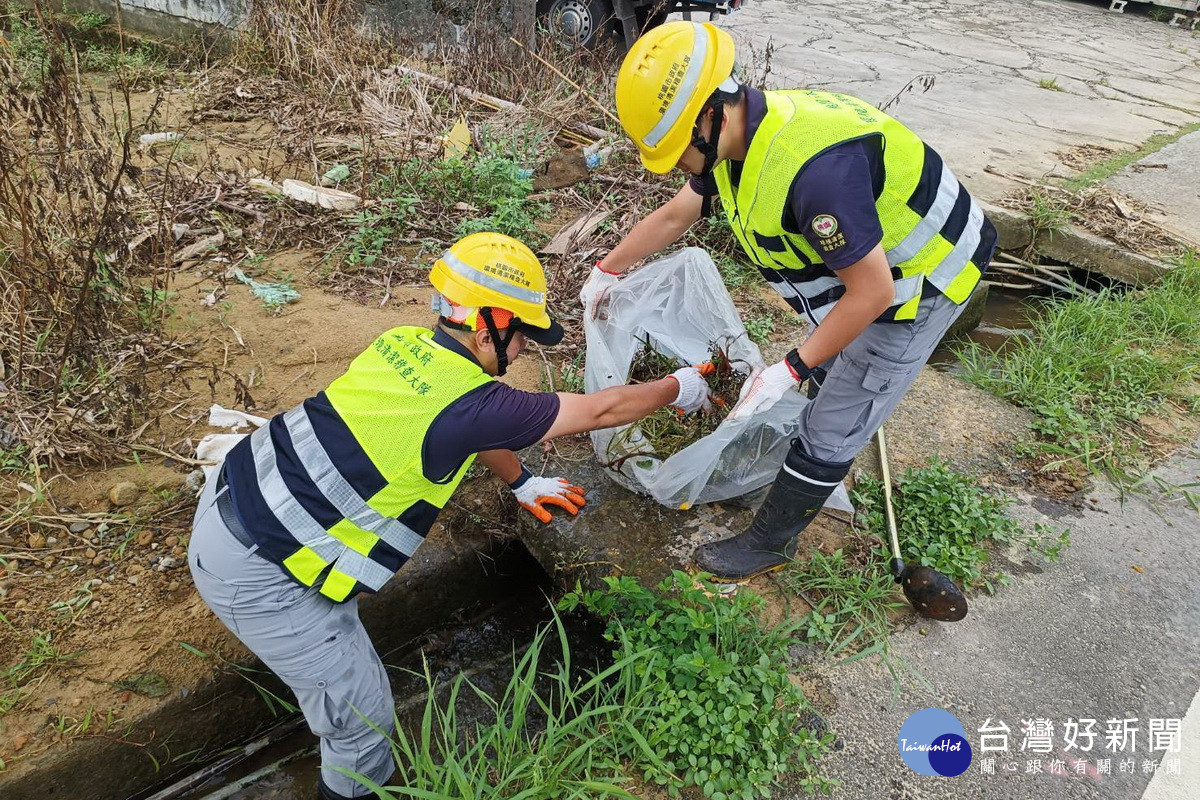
(664,82)
(494,271)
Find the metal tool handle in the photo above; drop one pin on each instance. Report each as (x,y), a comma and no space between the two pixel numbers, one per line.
(897,559)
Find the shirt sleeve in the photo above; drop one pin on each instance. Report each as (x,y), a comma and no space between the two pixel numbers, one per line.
(832,202)
(494,416)
(703,185)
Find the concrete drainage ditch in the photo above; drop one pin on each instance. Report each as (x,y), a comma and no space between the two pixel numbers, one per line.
(470,576)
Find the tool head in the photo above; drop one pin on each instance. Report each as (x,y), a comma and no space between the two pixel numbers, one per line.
(932,594)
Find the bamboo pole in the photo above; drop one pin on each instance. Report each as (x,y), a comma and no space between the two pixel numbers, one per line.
(492,102)
(569,82)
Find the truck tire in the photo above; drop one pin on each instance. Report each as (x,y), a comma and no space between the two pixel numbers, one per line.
(577,23)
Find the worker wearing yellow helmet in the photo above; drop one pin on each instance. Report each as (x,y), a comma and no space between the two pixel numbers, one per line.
(856,222)
(330,499)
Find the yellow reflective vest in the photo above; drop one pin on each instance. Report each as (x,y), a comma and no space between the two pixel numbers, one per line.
(932,228)
(342,473)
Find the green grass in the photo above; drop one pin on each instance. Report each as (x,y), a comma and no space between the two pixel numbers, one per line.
(1050,83)
(716,709)
(946,521)
(1093,366)
(32,665)
(1046,213)
(31,47)
(419,193)
(1116,163)
(697,696)
(549,734)
(853,600)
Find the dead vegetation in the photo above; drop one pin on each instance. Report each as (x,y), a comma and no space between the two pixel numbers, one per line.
(80,349)
(667,431)
(1100,209)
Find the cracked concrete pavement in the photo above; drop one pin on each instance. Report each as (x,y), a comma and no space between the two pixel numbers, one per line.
(1123,77)
(1110,632)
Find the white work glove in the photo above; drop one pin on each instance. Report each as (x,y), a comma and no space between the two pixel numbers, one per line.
(538,492)
(763,389)
(594,293)
(693,389)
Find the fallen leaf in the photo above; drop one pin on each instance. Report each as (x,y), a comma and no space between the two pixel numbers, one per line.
(1136,568)
(150,684)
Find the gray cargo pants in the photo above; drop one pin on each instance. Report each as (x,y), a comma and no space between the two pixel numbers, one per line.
(317,647)
(867,380)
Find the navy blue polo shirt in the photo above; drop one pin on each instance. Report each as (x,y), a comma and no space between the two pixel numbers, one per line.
(494,416)
(841,183)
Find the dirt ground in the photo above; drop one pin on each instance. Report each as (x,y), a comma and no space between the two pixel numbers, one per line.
(98,594)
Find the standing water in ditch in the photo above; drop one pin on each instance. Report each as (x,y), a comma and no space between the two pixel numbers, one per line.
(1008,312)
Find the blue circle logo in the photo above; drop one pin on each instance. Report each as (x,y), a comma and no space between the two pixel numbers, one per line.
(933,742)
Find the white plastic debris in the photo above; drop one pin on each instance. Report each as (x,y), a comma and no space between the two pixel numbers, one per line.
(221,417)
(148,140)
(215,446)
(323,196)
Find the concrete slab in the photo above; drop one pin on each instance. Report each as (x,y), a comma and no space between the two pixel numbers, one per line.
(1112,632)
(1174,190)
(1124,77)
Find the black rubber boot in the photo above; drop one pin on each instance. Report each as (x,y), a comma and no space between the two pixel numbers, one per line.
(800,490)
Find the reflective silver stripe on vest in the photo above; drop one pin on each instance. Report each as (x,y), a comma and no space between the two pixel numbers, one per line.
(964,248)
(363,569)
(906,289)
(339,492)
(684,93)
(932,223)
(464,269)
(805,289)
(293,516)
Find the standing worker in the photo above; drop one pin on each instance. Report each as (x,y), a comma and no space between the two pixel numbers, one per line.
(330,499)
(855,221)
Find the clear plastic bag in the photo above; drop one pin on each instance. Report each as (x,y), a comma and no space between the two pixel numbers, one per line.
(680,305)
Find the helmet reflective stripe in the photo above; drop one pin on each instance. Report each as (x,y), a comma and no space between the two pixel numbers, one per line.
(927,228)
(684,93)
(340,493)
(464,269)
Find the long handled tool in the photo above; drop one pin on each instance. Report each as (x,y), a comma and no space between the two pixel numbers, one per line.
(930,592)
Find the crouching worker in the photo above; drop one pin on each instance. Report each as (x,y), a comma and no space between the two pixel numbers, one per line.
(331,498)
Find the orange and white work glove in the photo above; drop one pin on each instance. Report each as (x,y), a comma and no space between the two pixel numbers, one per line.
(534,493)
(693,389)
(594,293)
(763,389)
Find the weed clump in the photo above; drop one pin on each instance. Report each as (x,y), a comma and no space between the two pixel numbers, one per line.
(667,431)
(1093,367)
(852,594)
(79,308)
(420,196)
(715,707)
(946,521)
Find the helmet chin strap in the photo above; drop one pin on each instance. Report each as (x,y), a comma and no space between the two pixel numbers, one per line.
(708,147)
(500,342)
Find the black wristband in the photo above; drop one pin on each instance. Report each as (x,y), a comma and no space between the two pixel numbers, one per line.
(520,481)
(797,364)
